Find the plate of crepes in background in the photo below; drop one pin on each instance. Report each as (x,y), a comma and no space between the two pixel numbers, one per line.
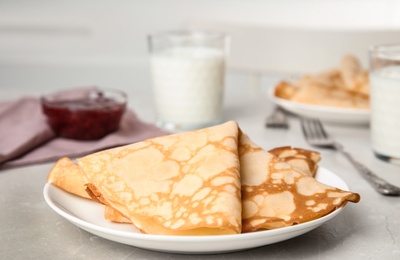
(340,95)
(211,190)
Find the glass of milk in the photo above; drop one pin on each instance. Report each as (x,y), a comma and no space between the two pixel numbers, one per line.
(385,101)
(188,73)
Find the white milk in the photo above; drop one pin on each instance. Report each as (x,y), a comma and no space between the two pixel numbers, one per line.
(385,107)
(188,85)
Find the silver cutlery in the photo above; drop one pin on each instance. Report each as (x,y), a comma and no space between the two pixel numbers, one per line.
(317,136)
(277,119)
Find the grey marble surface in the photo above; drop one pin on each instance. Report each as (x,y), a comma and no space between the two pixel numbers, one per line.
(30,229)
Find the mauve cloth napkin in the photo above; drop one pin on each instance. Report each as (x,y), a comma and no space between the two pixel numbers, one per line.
(25,137)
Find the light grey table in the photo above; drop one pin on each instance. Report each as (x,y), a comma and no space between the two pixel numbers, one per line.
(31,230)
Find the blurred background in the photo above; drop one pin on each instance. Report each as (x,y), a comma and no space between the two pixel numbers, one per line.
(268,36)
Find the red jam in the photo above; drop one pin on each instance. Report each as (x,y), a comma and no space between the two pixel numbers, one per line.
(88,118)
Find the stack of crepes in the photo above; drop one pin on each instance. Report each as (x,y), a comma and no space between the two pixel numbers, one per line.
(343,87)
(213,181)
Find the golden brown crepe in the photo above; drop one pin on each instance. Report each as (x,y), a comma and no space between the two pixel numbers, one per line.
(301,159)
(275,194)
(66,175)
(206,182)
(346,87)
(182,184)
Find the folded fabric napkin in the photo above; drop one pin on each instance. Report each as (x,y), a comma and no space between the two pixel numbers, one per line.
(26,138)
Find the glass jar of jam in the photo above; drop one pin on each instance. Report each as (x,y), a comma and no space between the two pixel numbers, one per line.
(84,114)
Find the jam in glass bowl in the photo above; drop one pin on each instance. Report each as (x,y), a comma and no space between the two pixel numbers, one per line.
(84,114)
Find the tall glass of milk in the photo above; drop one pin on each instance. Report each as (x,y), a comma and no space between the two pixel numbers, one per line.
(188,73)
(385,101)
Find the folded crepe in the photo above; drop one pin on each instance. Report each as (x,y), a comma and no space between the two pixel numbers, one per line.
(301,159)
(276,195)
(66,175)
(182,184)
(206,182)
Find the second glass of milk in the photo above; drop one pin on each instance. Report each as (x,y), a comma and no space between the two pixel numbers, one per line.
(188,73)
(385,101)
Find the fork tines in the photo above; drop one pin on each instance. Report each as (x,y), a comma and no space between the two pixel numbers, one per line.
(312,127)
(315,133)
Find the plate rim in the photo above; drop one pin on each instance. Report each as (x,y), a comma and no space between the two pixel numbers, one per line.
(89,227)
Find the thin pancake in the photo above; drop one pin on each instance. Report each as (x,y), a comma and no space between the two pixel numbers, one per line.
(66,175)
(275,194)
(182,184)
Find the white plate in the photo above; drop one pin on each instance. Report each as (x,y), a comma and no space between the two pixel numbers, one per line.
(89,216)
(326,114)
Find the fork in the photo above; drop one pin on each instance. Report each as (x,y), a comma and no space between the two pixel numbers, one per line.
(316,136)
(277,119)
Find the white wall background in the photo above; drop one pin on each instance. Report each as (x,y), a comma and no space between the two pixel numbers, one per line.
(268,35)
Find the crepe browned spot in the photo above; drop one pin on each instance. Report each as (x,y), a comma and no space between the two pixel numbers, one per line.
(182,184)
(275,194)
(66,175)
(301,159)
